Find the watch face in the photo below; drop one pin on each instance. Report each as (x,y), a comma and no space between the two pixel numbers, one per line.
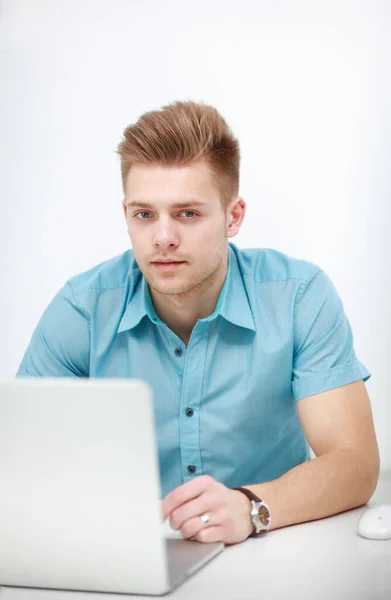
(264,515)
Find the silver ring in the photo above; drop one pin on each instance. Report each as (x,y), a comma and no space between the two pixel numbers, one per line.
(205,519)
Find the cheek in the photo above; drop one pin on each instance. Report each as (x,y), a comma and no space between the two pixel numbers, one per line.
(209,249)
(211,232)
(136,236)
(213,237)
(138,245)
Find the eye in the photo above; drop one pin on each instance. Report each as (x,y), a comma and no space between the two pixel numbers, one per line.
(143,215)
(189,214)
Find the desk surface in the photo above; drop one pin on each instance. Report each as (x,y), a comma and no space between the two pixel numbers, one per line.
(324,559)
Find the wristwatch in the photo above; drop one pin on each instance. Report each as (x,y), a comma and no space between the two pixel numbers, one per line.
(260,513)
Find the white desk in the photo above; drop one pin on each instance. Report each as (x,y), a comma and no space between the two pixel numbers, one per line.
(322,560)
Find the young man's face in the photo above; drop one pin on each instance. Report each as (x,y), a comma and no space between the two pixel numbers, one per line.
(175,214)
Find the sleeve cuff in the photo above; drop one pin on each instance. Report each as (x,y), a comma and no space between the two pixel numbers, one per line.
(333,378)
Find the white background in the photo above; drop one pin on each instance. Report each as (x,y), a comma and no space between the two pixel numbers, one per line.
(305,85)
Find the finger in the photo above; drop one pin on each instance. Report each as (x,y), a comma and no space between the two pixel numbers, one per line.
(209,535)
(192,527)
(185,492)
(193,508)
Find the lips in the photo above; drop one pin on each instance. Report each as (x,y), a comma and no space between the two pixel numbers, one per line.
(167,265)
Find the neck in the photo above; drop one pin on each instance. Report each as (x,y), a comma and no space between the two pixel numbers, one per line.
(182,311)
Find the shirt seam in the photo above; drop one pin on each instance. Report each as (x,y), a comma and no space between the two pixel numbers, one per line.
(79,306)
(86,313)
(100,288)
(277,280)
(301,289)
(247,273)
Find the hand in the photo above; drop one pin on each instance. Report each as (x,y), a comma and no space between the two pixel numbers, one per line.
(228,510)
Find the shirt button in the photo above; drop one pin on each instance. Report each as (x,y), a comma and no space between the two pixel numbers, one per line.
(178,351)
(189,412)
(191,469)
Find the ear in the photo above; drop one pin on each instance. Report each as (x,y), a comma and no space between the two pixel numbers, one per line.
(235,215)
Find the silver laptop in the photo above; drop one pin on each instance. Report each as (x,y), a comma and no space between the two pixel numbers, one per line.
(80,504)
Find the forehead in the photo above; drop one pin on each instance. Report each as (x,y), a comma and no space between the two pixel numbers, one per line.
(147,183)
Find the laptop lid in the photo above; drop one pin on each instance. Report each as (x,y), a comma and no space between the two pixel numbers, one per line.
(80,491)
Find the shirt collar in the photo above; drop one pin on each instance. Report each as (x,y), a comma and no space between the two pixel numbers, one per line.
(136,307)
(233,304)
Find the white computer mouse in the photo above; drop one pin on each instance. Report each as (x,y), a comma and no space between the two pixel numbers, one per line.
(375,523)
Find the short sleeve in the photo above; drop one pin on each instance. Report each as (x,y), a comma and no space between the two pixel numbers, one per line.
(324,356)
(59,346)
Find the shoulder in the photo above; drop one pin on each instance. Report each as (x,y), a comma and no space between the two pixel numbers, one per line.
(111,274)
(267,265)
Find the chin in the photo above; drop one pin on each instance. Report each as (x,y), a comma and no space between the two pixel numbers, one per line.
(169,286)
(169,289)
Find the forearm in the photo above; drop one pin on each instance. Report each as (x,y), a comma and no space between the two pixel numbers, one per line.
(318,488)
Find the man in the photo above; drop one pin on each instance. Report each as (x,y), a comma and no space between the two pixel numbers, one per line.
(249,352)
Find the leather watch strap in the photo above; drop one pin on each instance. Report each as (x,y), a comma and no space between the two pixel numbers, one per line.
(255,498)
(249,494)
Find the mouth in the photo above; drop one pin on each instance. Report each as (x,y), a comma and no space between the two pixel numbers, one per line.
(164,265)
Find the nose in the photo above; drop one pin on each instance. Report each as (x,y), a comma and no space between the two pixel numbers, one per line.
(165,234)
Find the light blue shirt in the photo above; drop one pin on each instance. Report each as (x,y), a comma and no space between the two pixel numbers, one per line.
(226,404)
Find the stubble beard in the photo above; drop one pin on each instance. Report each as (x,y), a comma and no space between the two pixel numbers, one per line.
(198,280)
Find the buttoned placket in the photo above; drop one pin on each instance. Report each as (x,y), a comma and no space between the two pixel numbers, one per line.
(190,402)
(190,362)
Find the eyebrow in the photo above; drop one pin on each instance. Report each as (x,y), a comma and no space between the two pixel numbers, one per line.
(177,205)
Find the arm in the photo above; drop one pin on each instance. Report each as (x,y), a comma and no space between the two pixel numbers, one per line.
(60,344)
(334,411)
(339,427)
(335,414)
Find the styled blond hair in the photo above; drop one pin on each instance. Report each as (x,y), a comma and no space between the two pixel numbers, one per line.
(178,134)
